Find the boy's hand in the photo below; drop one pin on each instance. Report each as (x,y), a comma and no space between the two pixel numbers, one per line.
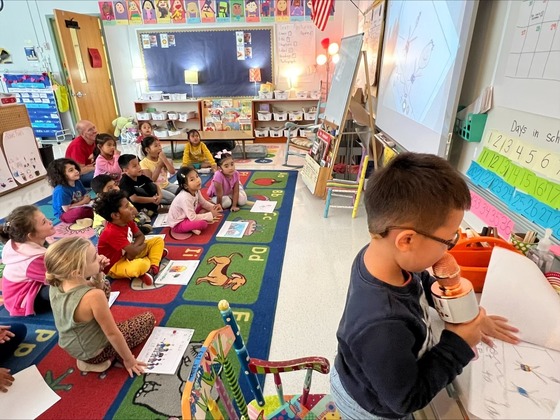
(86,199)
(497,327)
(471,332)
(103,262)
(5,333)
(6,379)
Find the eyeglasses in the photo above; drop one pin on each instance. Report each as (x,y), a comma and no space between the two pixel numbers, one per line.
(449,243)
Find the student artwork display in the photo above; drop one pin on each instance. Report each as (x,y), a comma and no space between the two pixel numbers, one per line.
(22,155)
(149,12)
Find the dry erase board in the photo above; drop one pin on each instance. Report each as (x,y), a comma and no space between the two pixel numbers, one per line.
(425,47)
(222,58)
(343,78)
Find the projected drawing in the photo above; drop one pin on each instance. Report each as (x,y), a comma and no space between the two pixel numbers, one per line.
(535,45)
(521,381)
(425,46)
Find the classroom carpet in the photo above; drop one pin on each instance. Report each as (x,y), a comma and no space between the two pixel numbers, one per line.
(245,271)
(257,155)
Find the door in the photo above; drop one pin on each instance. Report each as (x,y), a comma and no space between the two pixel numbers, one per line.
(89,82)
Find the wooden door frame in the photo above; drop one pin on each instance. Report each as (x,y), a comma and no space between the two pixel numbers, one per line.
(58,54)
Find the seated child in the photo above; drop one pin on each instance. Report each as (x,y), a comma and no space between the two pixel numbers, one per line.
(226,189)
(70,198)
(139,189)
(196,153)
(24,288)
(157,167)
(86,328)
(145,129)
(130,254)
(390,362)
(185,214)
(103,183)
(106,156)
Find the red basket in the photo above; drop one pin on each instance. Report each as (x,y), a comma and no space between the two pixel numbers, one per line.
(473,257)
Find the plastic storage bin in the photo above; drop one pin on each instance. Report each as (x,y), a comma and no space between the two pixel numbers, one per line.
(471,128)
(280,116)
(265,95)
(281,94)
(159,132)
(296,115)
(315,94)
(173,116)
(294,132)
(302,94)
(310,116)
(264,116)
(143,116)
(473,257)
(261,132)
(183,116)
(159,116)
(276,131)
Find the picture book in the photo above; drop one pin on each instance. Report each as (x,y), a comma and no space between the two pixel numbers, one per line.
(232,229)
(161,221)
(164,349)
(263,206)
(177,272)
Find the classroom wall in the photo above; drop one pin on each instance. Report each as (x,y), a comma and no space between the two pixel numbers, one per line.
(27,22)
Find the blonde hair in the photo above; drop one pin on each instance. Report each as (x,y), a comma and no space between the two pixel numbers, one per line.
(64,258)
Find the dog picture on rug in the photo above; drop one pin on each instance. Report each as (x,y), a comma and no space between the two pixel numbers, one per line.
(218,276)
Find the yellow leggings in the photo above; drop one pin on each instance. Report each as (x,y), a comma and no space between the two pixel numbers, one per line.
(151,255)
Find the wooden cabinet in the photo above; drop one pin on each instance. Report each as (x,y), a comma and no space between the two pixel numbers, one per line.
(270,116)
(169,118)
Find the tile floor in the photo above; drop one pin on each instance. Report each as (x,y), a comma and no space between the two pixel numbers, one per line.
(315,273)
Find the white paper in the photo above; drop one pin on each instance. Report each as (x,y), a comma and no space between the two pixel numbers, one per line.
(164,349)
(28,397)
(155,235)
(263,206)
(161,220)
(516,289)
(232,230)
(521,381)
(112,297)
(177,272)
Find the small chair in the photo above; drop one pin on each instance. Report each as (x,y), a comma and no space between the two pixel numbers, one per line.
(291,139)
(347,189)
(213,391)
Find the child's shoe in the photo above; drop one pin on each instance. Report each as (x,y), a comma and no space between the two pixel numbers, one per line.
(90,367)
(147,279)
(196,231)
(164,253)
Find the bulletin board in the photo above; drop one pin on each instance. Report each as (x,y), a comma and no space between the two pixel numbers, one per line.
(222,58)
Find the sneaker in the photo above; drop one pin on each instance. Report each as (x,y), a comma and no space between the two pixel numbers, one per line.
(90,367)
(196,231)
(147,279)
(164,253)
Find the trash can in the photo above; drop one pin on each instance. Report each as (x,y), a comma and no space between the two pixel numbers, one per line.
(47,154)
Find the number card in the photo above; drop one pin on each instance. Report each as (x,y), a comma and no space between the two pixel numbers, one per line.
(491,215)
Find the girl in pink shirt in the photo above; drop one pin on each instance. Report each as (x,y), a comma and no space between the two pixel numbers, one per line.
(226,189)
(107,157)
(190,212)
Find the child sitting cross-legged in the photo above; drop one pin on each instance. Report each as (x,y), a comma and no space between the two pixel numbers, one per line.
(104,183)
(85,325)
(190,212)
(226,189)
(70,198)
(139,189)
(130,254)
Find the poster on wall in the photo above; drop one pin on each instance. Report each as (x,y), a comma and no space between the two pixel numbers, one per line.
(22,155)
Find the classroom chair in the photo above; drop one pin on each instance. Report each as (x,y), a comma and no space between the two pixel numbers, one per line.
(292,139)
(347,188)
(213,390)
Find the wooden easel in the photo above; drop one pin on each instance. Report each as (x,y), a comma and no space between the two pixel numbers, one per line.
(316,176)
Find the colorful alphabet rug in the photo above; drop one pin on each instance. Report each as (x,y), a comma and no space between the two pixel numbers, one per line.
(245,270)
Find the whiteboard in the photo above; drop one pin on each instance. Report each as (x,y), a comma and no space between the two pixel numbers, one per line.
(343,78)
(528,73)
(426,44)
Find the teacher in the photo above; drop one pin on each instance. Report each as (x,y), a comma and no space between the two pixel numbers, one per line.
(81,150)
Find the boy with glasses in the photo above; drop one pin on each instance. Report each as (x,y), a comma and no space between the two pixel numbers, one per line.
(390,363)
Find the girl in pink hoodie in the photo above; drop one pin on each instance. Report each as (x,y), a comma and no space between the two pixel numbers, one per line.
(24,288)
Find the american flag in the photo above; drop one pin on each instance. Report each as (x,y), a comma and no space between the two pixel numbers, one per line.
(320,10)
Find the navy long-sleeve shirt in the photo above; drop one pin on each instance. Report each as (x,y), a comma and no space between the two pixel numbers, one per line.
(388,359)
